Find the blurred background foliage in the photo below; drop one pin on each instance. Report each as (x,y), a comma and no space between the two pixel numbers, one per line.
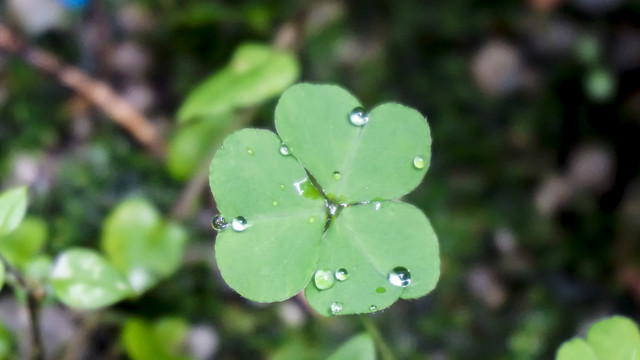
(534,187)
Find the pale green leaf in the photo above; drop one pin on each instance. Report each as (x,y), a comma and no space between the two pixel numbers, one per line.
(273,258)
(575,349)
(2,274)
(369,241)
(359,347)
(25,242)
(171,331)
(255,73)
(353,163)
(13,205)
(138,242)
(615,338)
(143,343)
(82,278)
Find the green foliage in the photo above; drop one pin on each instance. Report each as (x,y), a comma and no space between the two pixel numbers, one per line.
(27,241)
(359,347)
(2,274)
(84,279)
(160,341)
(615,338)
(387,248)
(255,73)
(6,343)
(13,205)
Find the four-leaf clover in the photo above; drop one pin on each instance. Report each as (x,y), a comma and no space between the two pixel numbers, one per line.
(317,209)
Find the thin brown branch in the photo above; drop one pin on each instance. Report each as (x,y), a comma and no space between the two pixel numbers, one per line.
(97,92)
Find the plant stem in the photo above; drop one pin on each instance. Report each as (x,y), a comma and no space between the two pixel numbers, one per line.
(381,344)
(34,297)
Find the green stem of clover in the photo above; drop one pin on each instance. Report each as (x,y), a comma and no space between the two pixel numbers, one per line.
(381,344)
(34,297)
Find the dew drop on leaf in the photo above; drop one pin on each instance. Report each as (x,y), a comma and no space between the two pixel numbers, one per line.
(419,162)
(358,117)
(381,290)
(342,274)
(377,204)
(400,276)
(312,219)
(274,203)
(219,223)
(239,223)
(250,151)
(284,150)
(373,308)
(333,209)
(323,279)
(335,308)
(282,187)
(337,175)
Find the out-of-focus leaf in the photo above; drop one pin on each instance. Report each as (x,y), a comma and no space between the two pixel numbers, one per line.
(171,331)
(359,347)
(82,278)
(144,341)
(139,243)
(13,205)
(2,271)
(39,268)
(255,73)
(615,338)
(25,242)
(576,349)
(6,343)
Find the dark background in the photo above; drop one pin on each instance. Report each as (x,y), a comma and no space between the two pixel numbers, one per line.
(534,187)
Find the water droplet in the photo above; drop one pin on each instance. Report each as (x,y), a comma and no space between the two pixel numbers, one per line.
(306,189)
(222,147)
(377,205)
(219,223)
(274,203)
(333,209)
(323,279)
(342,274)
(284,150)
(373,308)
(335,308)
(400,276)
(250,151)
(337,175)
(239,223)
(381,290)
(419,162)
(282,187)
(358,117)
(312,220)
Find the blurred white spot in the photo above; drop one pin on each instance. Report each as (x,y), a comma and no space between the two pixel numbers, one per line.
(202,342)
(138,278)
(497,68)
(291,314)
(37,16)
(61,268)
(553,195)
(486,287)
(591,167)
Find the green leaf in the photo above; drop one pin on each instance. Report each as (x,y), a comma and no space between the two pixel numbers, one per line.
(25,242)
(171,331)
(13,205)
(192,144)
(369,241)
(274,257)
(2,274)
(6,343)
(38,268)
(255,73)
(83,279)
(142,341)
(376,161)
(359,347)
(576,349)
(140,244)
(615,338)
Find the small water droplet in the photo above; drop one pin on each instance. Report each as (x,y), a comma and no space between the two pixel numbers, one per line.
(323,279)
(342,274)
(400,276)
(381,290)
(419,162)
(377,205)
(333,209)
(239,223)
(284,150)
(312,220)
(219,223)
(222,147)
(250,151)
(335,308)
(373,308)
(337,175)
(282,187)
(274,203)
(358,117)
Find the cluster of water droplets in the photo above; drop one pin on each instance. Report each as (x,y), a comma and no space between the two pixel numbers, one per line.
(219,223)
(325,279)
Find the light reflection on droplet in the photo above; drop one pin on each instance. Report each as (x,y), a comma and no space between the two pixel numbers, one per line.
(239,224)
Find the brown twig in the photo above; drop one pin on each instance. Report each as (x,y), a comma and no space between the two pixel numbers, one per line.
(35,294)
(98,92)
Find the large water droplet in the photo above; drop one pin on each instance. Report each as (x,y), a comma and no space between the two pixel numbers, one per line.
(373,308)
(400,276)
(250,151)
(337,175)
(219,223)
(358,117)
(239,223)
(342,274)
(335,308)
(419,162)
(284,150)
(323,279)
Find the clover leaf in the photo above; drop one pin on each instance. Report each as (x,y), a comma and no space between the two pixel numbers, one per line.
(614,338)
(317,208)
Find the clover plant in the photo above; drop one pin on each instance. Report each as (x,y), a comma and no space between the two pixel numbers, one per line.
(316,208)
(615,338)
